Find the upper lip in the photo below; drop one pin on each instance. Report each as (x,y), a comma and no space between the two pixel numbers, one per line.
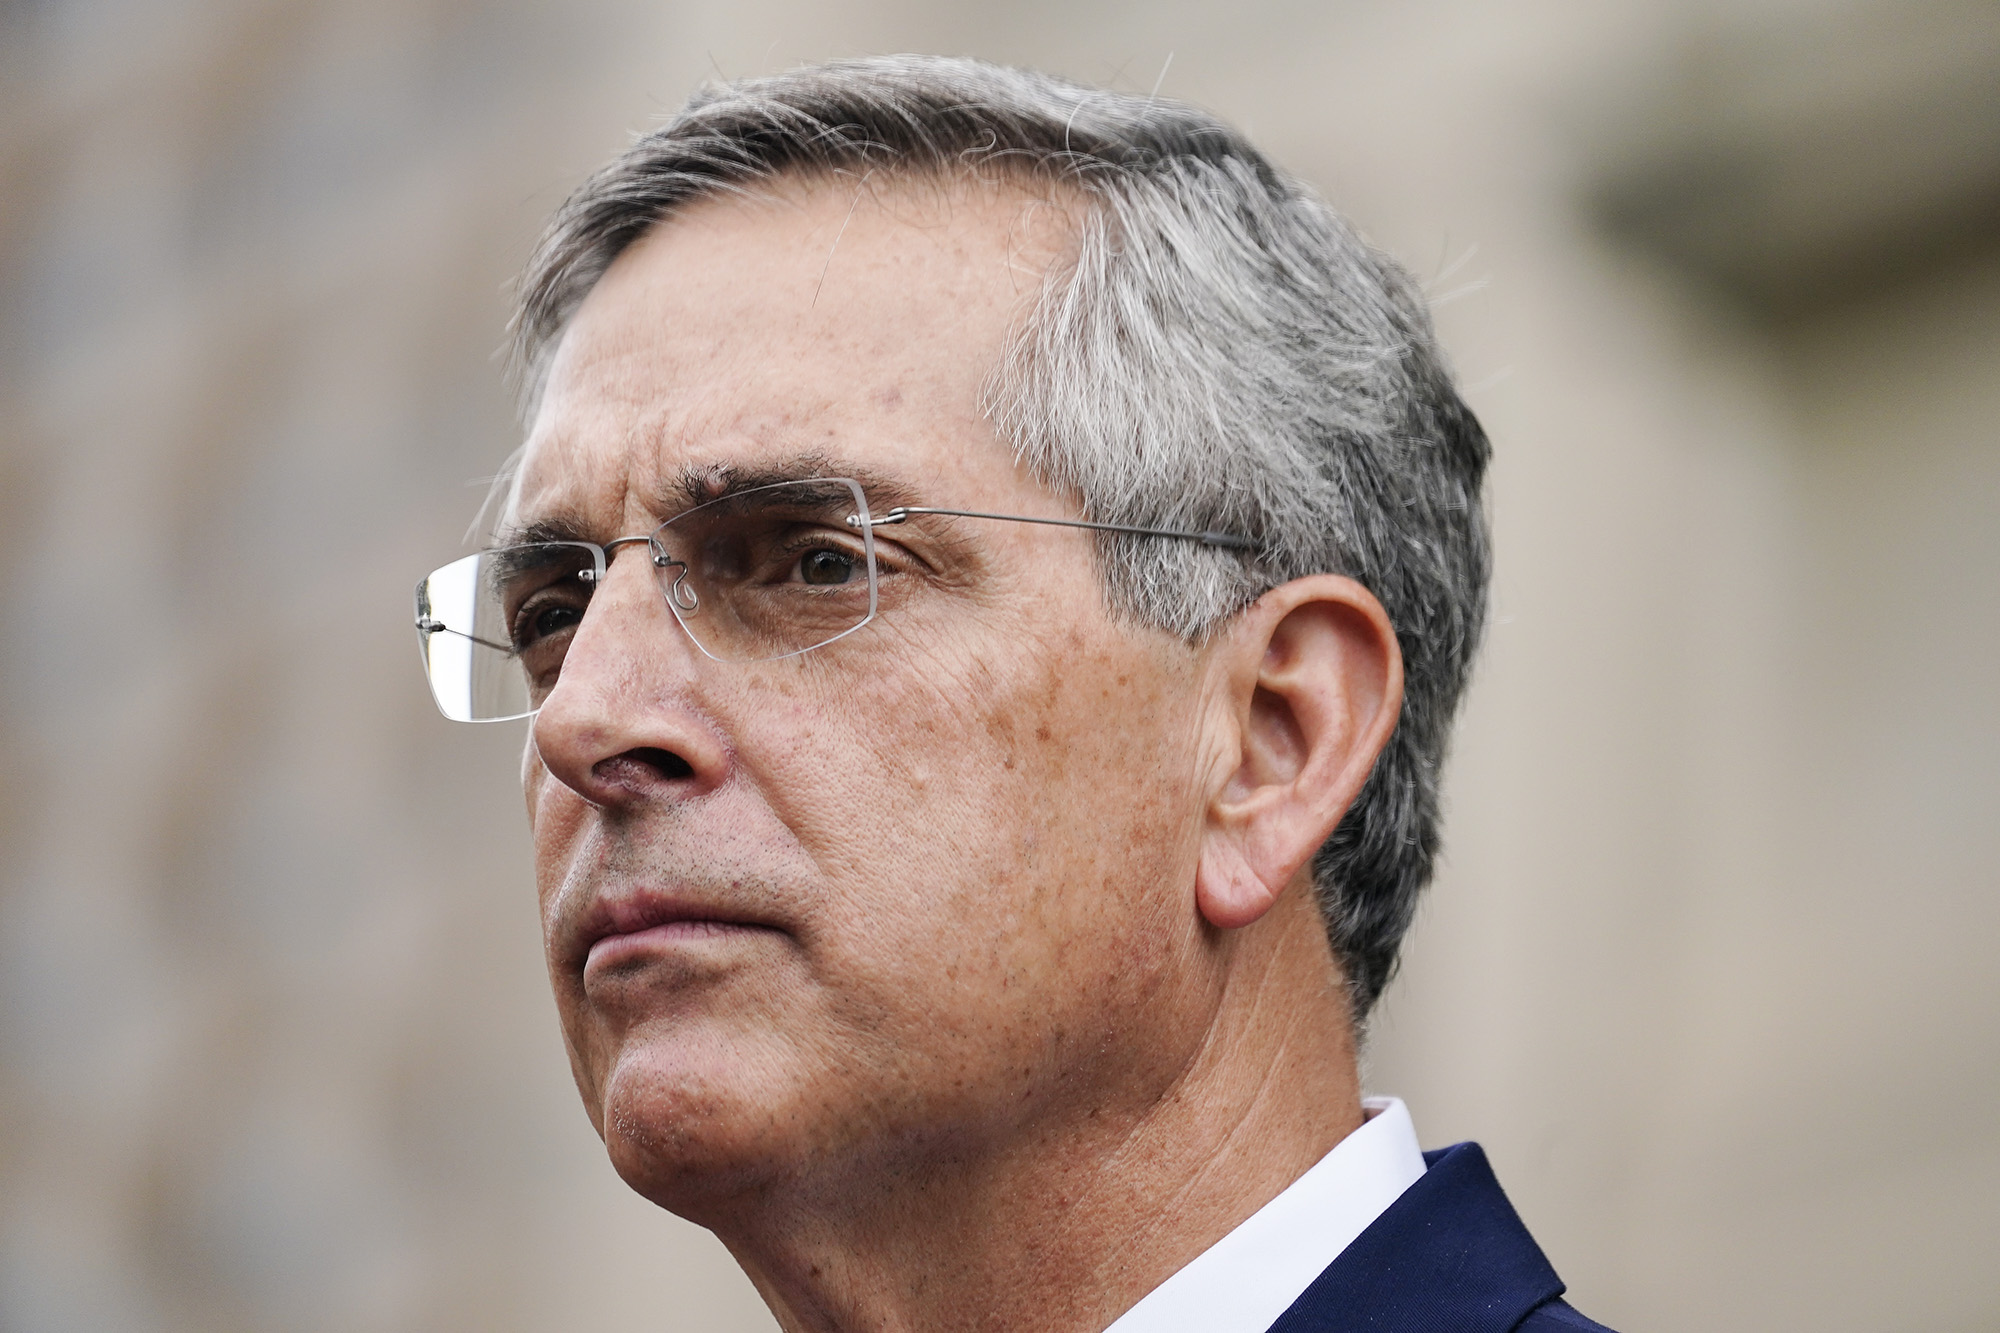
(631,910)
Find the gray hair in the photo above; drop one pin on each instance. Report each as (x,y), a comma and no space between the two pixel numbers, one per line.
(1221,352)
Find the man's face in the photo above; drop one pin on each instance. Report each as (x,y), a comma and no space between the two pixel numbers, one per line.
(912,894)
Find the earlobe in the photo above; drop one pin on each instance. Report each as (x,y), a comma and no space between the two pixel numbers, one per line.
(1312,683)
(1227,891)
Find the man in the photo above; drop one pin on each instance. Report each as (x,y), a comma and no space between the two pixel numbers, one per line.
(991,571)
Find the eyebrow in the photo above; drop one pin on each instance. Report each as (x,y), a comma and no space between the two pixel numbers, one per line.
(562,526)
(695,485)
(692,486)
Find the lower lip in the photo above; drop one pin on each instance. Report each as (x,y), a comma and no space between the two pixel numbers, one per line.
(615,949)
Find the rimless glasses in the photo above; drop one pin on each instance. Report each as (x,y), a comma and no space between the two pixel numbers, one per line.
(767,572)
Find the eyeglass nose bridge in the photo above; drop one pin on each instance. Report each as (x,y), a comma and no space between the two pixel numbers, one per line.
(684,598)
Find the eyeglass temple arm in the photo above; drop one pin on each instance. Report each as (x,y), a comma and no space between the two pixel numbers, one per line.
(1225,540)
(430,626)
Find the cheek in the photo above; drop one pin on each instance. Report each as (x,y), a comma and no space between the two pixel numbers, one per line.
(1100,789)
(557,817)
(560,824)
(1000,816)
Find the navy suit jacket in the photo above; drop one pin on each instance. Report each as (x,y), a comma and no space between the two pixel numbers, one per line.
(1449,1256)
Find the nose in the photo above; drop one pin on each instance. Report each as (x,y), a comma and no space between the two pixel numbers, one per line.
(620,726)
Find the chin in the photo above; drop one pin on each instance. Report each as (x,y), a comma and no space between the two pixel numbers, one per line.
(688,1127)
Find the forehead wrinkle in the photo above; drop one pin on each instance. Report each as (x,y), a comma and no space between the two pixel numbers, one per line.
(567,517)
(577,484)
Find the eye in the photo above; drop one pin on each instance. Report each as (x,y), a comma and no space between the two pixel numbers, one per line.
(827,566)
(554,620)
(547,615)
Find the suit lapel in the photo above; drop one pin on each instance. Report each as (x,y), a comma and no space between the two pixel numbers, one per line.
(1450,1254)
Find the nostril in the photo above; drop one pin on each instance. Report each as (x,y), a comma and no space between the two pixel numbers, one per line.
(637,773)
(641,768)
(664,762)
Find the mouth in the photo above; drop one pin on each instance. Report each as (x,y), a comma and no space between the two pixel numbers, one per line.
(630,929)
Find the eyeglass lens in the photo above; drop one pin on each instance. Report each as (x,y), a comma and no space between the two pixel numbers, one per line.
(761,574)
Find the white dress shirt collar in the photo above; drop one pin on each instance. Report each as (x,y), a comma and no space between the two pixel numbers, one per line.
(1243,1282)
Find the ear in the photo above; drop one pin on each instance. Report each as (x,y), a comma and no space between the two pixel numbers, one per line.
(1308,686)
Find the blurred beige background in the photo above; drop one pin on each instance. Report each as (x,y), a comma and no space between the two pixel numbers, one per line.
(1710,970)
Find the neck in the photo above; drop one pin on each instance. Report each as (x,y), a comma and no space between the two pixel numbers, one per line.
(1065,1226)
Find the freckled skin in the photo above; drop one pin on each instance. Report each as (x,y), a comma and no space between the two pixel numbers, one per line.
(987,1026)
